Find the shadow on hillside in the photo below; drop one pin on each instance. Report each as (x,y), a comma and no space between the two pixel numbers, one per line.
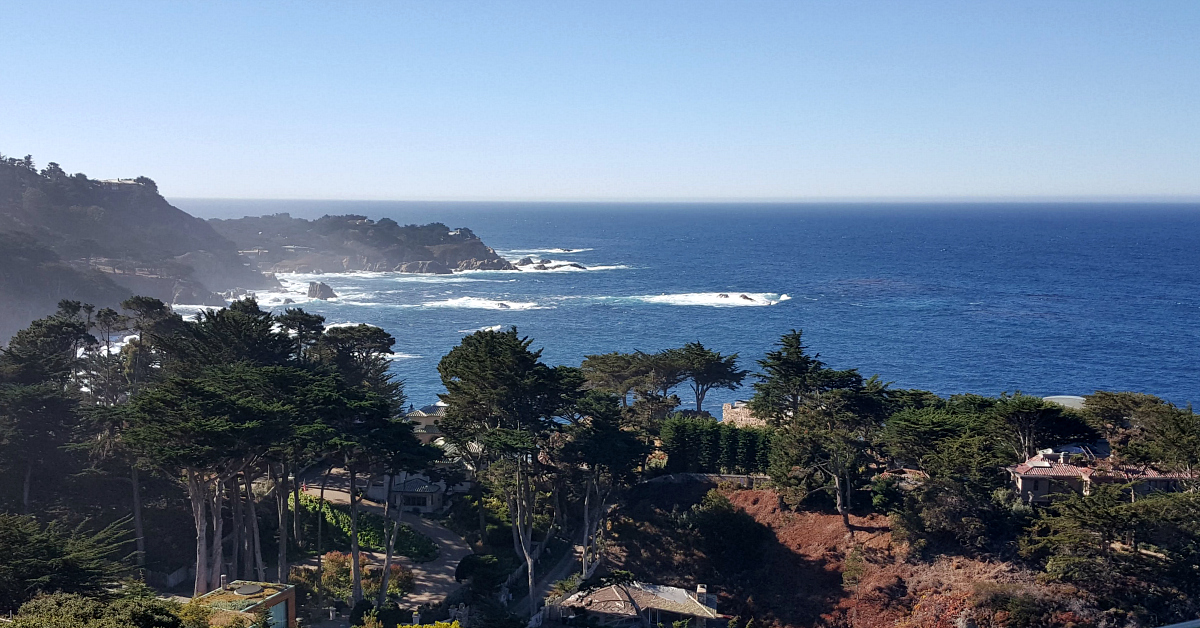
(660,539)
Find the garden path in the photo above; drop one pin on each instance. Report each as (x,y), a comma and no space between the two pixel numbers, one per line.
(434,580)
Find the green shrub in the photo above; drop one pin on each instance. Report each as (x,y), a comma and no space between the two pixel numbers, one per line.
(371,531)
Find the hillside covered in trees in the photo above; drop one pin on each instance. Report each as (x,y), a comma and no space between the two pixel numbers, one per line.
(71,237)
(66,236)
(180,447)
(281,243)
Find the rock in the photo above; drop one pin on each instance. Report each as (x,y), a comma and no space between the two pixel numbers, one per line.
(189,294)
(503,306)
(288,301)
(722,296)
(546,261)
(525,261)
(318,271)
(428,267)
(272,280)
(540,267)
(575,265)
(485,264)
(746,297)
(318,290)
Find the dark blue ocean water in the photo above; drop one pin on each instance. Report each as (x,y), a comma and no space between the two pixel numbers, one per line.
(1047,299)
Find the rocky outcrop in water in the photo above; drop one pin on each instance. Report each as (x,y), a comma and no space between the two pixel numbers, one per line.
(484,264)
(320,290)
(426,267)
(280,243)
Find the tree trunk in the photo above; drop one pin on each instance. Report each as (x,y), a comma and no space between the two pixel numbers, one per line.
(281,495)
(389,542)
(355,565)
(235,507)
(478,489)
(320,526)
(256,539)
(217,560)
(839,487)
(523,520)
(200,519)
(247,537)
(513,512)
(296,507)
(138,532)
(25,488)
(587,524)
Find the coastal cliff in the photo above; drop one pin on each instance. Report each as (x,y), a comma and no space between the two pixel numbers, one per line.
(66,236)
(282,244)
(71,237)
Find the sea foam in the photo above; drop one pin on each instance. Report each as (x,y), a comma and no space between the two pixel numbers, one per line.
(716,299)
(483,304)
(519,253)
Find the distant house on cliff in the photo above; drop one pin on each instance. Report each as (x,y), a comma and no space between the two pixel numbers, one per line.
(1078,468)
(120,184)
(738,414)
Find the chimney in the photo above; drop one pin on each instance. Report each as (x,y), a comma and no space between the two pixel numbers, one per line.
(701,593)
(224,582)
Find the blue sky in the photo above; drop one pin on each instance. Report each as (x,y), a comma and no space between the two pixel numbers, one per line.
(611,100)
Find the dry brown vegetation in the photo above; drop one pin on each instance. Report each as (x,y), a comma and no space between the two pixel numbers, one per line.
(809,571)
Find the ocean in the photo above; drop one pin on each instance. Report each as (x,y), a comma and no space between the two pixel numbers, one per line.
(954,298)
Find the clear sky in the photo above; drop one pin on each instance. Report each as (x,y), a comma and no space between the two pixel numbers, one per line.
(611,100)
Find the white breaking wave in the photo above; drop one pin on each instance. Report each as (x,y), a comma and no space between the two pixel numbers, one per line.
(403,356)
(716,299)
(488,328)
(519,253)
(483,304)
(554,266)
(332,325)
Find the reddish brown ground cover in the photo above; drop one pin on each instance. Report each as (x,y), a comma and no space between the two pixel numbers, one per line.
(797,578)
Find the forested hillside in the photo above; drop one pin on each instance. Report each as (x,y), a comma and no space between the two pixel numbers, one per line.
(282,243)
(66,236)
(71,237)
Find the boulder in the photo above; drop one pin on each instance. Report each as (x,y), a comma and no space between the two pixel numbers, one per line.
(525,261)
(485,264)
(428,267)
(288,301)
(319,290)
(190,294)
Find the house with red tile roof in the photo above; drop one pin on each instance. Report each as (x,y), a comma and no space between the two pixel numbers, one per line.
(1078,468)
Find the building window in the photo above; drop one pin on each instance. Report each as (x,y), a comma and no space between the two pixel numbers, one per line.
(415,500)
(1037,485)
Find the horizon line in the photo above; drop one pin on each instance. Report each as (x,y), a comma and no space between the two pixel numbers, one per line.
(1147,199)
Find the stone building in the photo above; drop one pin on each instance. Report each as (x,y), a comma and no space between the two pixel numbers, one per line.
(738,413)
